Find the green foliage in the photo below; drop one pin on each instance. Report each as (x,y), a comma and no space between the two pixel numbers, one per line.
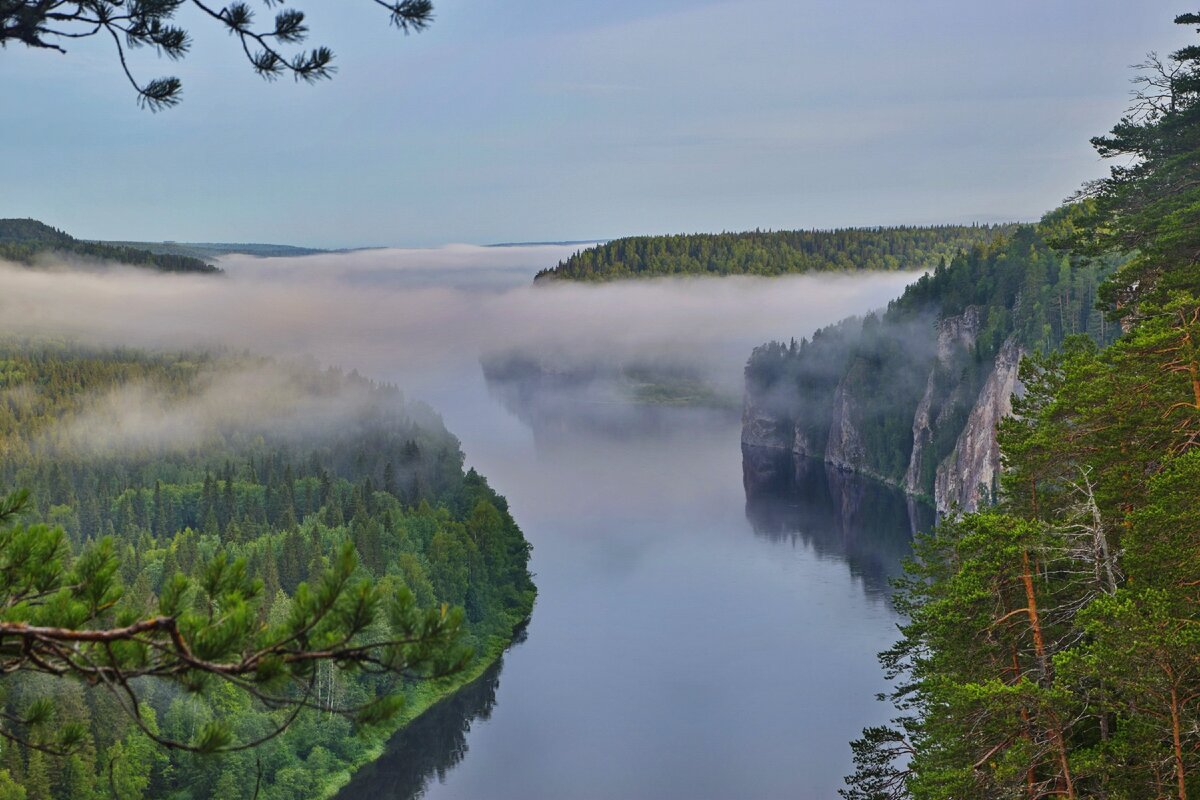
(1148,203)
(1053,646)
(10,789)
(773,252)
(151,23)
(258,541)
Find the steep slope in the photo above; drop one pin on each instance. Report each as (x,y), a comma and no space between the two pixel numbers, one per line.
(912,396)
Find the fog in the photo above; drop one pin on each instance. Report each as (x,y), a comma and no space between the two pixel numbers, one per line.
(286,401)
(420,316)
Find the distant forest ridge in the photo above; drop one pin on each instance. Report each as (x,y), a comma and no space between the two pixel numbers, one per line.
(207,250)
(770,253)
(24,241)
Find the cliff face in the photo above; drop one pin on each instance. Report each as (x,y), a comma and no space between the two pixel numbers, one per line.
(763,425)
(844,448)
(911,395)
(962,402)
(954,335)
(967,477)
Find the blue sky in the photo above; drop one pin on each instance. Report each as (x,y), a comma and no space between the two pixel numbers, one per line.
(564,119)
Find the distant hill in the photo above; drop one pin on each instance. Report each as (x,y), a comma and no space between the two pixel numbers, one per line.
(25,240)
(574,242)
(209,250)
(770,253)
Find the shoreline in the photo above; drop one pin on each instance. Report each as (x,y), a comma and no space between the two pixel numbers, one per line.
(425,702)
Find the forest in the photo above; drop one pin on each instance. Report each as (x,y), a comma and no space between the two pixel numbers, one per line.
(171,464)
(27,241)
(769,253)
(1017,287)
(1051,646)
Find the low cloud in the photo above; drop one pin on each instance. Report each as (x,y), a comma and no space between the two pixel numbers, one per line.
(422,316)
(247,398)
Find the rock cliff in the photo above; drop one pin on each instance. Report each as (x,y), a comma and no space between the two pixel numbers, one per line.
(844,448)
(967,477)
(764,424)
(962,402)
(912,394)
(954,335)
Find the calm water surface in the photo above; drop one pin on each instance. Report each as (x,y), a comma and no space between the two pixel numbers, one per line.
(704,629)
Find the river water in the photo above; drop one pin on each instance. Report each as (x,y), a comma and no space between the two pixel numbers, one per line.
(704,628)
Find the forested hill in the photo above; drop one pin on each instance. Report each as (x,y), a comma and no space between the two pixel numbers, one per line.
(769,253)
(25,241)
(893,395)
(190,463)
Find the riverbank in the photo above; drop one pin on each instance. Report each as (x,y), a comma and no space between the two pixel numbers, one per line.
(421,699)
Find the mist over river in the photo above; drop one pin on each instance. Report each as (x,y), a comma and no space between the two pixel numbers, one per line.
(703,629)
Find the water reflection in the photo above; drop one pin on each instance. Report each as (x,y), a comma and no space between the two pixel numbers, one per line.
(838,514)
(430,746)
(559,407)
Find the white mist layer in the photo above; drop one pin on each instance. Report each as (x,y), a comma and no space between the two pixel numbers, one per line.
(416,316)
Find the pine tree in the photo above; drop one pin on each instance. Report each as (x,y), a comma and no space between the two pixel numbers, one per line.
(37,777)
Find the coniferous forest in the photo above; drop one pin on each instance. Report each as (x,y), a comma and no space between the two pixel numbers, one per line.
(768,253)
(1052,641)
(320,495)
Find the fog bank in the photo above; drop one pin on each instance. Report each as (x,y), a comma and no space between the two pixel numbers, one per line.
(422,316)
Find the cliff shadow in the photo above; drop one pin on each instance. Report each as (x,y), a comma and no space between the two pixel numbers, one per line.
(843,516)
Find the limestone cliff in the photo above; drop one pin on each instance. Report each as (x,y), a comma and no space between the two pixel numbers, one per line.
(763,424)
(801,445)
(844,448)
(954,335)
(912,394)
(967,477)
(962,402)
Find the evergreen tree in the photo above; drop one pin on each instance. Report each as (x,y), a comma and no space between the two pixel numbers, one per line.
(1053,650)
(152,24)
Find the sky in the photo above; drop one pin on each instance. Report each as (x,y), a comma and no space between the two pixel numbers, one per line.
(557,120)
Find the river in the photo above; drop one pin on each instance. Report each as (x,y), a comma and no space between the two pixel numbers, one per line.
(702,630)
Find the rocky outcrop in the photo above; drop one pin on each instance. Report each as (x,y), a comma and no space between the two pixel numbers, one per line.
(967,478)
(801,446)
(954,335)
(922,433)
(763,426)
(963,401)
(957,332)
(844,449)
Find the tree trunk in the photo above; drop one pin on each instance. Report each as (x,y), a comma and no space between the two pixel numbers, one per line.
(1035,624)
(1180,775)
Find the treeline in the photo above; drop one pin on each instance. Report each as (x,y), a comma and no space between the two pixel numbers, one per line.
(879,369)
(25,241)
(1052,641)
(769,253)
(146,450)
